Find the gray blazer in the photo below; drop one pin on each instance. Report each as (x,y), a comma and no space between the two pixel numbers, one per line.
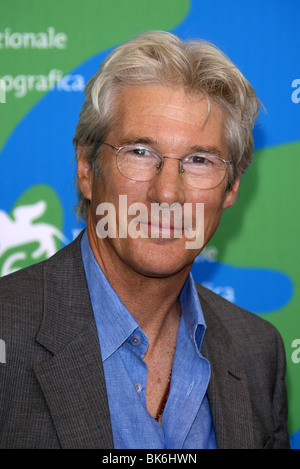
(52,389)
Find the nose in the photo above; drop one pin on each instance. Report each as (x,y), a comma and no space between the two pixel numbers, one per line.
(167,186)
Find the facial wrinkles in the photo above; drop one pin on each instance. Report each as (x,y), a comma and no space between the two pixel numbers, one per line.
(173,112)
(181,126)
(174,126)
(162,111)
(174,116)
(159,136)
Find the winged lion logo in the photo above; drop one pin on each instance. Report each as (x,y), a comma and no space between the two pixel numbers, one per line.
(23,228)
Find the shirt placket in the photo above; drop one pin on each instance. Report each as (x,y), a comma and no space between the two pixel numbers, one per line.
(132,353)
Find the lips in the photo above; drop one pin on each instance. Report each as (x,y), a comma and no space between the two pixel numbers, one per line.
(156,220)
(166,226)
(164,231)
(164,221)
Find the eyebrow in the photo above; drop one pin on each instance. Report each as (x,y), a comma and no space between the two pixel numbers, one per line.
(213,150)
(138,139)
(194,149)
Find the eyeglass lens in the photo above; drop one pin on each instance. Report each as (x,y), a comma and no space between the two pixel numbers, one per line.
(200,170)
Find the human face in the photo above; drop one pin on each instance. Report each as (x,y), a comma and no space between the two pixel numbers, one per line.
(173,123)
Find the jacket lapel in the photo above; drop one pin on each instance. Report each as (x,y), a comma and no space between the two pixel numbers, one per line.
(72,380)
(228,391)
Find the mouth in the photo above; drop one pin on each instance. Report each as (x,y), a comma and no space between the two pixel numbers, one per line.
(163,229)
(163,222)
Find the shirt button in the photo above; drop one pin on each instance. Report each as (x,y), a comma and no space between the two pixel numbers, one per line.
(135,340)
(138,387)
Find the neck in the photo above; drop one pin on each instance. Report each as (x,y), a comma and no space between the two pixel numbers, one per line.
(152,301)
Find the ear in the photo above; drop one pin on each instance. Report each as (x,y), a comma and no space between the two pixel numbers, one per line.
(84,173)
(231,195)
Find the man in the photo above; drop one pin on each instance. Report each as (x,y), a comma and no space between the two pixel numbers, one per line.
(110,344)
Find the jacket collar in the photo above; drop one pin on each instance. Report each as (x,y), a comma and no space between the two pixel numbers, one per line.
(228,391)
(72,380)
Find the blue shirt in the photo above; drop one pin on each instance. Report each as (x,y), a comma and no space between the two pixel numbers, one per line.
(187,422)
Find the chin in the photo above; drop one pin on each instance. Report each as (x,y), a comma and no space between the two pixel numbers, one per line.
(160,262)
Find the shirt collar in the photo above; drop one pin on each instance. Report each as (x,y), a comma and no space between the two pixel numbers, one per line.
(114,322)
(192,313)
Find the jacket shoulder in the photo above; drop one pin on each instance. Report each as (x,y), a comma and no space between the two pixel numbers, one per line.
(235,318)
(28,282)
(257,347)
(22,292)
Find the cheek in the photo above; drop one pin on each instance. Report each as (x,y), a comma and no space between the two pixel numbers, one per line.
(213,208)
(110,185)
(106,183)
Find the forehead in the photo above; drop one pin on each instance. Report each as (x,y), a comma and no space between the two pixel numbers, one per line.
(167,115)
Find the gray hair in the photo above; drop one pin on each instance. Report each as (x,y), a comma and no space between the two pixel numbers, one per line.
(162,58)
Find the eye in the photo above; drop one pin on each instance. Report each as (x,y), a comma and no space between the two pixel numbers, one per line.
(139,151)
(199,160)
(138,156)
(136,151)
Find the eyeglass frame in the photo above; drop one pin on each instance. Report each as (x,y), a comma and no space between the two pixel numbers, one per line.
(227,163)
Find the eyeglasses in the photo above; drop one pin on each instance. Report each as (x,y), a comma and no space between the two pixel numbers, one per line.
(198,170)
